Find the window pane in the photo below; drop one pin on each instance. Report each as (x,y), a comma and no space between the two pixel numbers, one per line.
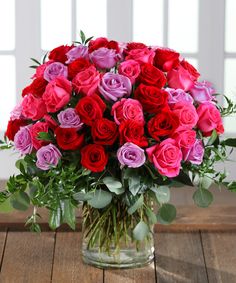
(183,25)
(230,91)
(8,91)
(230,26)
(7,24)
(92,17)
(55,23)
(148,21)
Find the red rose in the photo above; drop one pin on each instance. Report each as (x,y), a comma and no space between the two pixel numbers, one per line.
(104,131)
(59,53)
(152,98)
(13,127)
(35,130)
(163,124)
(135,45)
(150,75)
(166,59)
(132,131)
(90,108)
(103,42)
(94,157)
(192,71)
(77,66)
(69,138)
(37,87)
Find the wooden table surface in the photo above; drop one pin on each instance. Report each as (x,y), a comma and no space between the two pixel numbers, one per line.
(199,247)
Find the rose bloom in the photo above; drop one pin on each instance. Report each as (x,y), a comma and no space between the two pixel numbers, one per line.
(33,108)
(191,70)
(209,119)
(35,130)
(23,141)
(150,75)
(166,157)
(132,131)
(104,131)
(90,108)
(16,113)
(86,82)
(13,127)
(130,69)
(185,139)
(151,98)
(57,94)
(55,70)
(80,51)
(166,59)
(94,157)
(135,45)
(68,118)
(77,66)
(69,138)
(52,124)
(58,54)
(127,109)
(48,156)
(143,55)
(104,58)
(37,87)
(103,42)
(187,115)
(114,86)
(41,68)
(178,95)
(163,124)
(131,155)
(195,153)
(202,92)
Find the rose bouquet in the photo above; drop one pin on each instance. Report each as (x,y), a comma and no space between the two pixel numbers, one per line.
(114,127)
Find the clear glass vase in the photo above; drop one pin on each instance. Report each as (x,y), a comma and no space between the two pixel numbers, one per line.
(108,241)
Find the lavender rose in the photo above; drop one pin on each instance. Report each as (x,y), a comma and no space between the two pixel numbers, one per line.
(114,86)
(195,153)
(16,112)
(69,119)
(202,91)
(47,156)
(131,155)
(178,95)
(104,58)
(23,140)
(80,51)
(55,70)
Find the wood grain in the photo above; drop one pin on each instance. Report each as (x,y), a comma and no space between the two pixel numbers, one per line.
(220,256)
(28,258)
(179,258)
(3,236)
(68,265)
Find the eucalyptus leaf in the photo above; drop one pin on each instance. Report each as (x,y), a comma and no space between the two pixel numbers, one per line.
(166,213)
(113,185)
(20,201)
(55,218)
(134,184)
(6,207)
(151,215)
(202,197)
(162,193)
(100,199)
(136,205)
(140,231)
(68,214)
(80,196)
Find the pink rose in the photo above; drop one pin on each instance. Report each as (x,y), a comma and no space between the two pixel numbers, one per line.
(104,58)
(187,115)
(32,107)
(166,157)
(86,81)
(35,130)
(202,91)
(180,78)
(143,55)
(209,119)
(57,94)
(130,69)
(127,109)
(185,139)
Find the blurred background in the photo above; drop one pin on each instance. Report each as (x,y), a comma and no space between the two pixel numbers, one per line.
(204,31)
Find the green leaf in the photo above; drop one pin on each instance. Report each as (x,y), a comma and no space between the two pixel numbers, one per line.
(134,184)
(140,231)
(45,57)
(232,186)
(55,218)
(82,36)
(88,39)
(20,201)
(100,199)
(21,162)
(206,181)
(44,136)
(6,207)
(213,138)
(162,193)
(80,196)
(202,197)
(113,185)
(151,215)
(230,142)
(68,213)
(35,61)
(136,205)
(184,179)
(166,213)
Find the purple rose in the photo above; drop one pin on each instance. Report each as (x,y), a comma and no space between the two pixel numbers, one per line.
(178,95)
(202,91)
(114,86)
(195,153)
(80,51)
(55,70)
(47,156)
(23,141)
(69,119)
(104,58)
(16,113)
(131,155)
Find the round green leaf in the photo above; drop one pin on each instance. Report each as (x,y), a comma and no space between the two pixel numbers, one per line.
(113,185)
(100,199)
(20,201)
(166,213)
(202,197)
(136,205)
(162,194)
(140,231)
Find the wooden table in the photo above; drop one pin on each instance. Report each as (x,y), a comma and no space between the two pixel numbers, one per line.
(199,247)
